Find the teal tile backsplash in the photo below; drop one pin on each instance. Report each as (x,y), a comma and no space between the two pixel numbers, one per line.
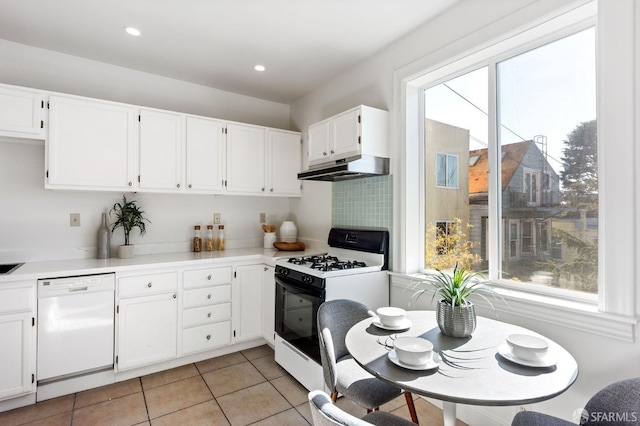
(363,203)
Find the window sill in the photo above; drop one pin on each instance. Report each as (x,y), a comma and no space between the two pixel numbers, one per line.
(571,314)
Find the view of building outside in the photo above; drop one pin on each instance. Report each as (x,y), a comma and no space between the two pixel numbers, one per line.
(546,130)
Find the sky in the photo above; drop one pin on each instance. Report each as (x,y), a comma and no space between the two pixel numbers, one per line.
(546,91)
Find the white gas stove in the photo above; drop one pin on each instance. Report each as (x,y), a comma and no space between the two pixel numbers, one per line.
(354,267)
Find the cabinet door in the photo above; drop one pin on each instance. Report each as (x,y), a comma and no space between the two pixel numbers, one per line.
(283,162)
(205,155)
(147,330)
(15,357)
(268,304)
(245,158)
(247,300)
(160,150)
(91,144)
(345,132)
(318,143)
(21,112)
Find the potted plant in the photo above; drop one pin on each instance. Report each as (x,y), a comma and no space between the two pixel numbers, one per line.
(128,216)
(455,313)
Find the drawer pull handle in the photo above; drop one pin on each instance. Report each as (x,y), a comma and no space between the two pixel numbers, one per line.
(209,277)
(209,315)
(208,337)
(149,285)
(208,296)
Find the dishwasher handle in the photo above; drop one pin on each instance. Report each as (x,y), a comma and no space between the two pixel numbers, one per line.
(85,288)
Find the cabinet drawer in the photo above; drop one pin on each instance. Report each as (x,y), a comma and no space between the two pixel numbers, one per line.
(16,299)
(207,296)
(148,284)
(206,337)
(206,315)
(207,277)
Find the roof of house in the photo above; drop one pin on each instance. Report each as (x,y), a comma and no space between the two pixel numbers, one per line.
(512,155)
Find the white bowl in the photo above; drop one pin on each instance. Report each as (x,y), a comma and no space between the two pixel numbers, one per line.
(527,347)
(413,350)
(390,316)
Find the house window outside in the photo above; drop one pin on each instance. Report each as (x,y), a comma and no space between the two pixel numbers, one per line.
(447,171)
(545,121)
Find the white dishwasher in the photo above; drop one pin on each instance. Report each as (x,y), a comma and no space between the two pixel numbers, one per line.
(75,326)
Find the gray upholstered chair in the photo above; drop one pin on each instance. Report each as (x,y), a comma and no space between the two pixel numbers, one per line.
(342,374)
(620,399)
(325,413)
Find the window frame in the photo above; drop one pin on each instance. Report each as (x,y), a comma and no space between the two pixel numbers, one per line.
(551,29)
(447,179)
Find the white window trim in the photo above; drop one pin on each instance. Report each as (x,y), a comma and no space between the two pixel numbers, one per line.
(615,312)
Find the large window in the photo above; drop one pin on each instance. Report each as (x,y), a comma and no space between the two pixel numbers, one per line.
(540,139)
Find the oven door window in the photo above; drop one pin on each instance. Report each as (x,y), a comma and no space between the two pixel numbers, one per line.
(296,316)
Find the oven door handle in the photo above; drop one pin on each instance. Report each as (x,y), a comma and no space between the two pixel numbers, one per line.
(295,288)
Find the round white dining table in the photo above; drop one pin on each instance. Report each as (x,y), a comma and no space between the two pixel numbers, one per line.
(469,370)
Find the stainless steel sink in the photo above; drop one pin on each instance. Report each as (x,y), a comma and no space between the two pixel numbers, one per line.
(7,268)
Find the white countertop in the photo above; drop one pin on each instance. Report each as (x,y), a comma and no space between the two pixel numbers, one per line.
(64,268)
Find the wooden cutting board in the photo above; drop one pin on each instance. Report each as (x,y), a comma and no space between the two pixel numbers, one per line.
(297,246)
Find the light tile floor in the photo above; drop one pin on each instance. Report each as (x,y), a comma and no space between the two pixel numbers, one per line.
(241,388)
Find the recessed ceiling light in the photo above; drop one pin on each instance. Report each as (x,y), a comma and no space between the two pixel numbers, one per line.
(132,31)
(259,68)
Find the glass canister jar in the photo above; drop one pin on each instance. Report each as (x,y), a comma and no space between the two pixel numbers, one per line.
(221,241)
(209,241)
(197,239)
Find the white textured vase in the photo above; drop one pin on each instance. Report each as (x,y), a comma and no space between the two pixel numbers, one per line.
(288,232)
(125,252)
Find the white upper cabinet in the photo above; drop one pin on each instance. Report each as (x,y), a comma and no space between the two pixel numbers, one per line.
(21,112)
(283,162)
(245,158)
(205,154)
(161,147)
(91,144)
(362,130)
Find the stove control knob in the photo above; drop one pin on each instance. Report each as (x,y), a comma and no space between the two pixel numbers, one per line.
(307,279)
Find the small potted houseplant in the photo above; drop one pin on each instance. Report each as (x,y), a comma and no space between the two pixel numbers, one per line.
(455,313)
(128,216)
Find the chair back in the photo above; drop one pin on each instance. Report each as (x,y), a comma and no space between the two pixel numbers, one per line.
(335,318)
(617,403)
(325,413)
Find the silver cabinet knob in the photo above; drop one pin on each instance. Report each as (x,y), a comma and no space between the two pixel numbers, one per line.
(130,183)
(175,295)
(271,190)
(178,186)
(149,284)
(209,315)
(208,296)
(208,337)
(209,277)
(324,153)
(332,151)
(189,186)
(262,189)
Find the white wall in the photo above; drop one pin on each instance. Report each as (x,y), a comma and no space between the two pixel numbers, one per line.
(34,222)
(467,26)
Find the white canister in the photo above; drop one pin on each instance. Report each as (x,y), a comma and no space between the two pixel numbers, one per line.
(288,232)
(269,239)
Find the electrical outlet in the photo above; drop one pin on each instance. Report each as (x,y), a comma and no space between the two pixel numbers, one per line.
(74,219)
(216,218)
(263,217)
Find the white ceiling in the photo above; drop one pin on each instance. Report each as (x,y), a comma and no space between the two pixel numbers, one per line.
(303,43)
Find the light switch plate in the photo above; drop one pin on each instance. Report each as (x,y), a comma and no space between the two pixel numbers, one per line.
(74,219)
(263,217)
(216,218)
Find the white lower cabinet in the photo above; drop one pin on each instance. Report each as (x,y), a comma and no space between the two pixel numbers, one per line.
(147,320)
(206,309)
(247,299)
(17,334)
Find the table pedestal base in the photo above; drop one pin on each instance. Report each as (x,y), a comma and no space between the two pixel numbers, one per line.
(449,413)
